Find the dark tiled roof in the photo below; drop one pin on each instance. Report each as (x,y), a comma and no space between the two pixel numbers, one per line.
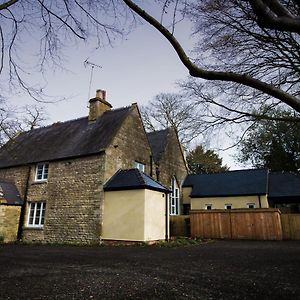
(10,193)
(133,179)
(231,183)
(157,141)
(284,185)
(62,140)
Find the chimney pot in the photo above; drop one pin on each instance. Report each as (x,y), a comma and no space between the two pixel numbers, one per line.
(101,94)
(98,105)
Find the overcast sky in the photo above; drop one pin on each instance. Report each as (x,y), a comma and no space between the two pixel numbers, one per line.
(134,70)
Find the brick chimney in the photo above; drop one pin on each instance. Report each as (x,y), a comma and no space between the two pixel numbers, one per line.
(98,105)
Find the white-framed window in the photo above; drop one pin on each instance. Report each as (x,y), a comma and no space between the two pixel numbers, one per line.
(36,214)
(208,206)
(174,199)
(139,165)
(228,206)
(251,205)
(41,173)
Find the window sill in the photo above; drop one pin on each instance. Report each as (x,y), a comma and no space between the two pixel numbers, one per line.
(39,181)
(33,228)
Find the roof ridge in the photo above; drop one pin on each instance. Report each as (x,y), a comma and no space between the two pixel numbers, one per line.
(71,120)
(156,131)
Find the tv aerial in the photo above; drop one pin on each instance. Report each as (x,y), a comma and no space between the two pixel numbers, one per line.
(87,64)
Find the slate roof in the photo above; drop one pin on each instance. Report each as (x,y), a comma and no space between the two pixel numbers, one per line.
(284,185)
(132,179)
(157,141)
(9,192)
(63,140)
(230,183)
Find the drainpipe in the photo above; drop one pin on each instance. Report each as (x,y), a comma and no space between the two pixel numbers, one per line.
(167,217)
(23,208)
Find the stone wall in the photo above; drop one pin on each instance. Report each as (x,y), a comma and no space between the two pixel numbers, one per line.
(73,196)
(172,161)
(130,144)
(9,222)
(18,175)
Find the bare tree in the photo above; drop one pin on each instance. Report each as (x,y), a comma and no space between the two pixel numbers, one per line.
(15,120)
(250,44)
(35,33)
(224,27)
(176,111)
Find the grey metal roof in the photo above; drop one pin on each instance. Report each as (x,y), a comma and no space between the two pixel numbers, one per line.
(230,183)
(133,179)
(284,185)
(63,140)
(10,193)
(157,141)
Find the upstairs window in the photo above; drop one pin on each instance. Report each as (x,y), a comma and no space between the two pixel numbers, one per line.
(41,172)
(228,206)
(139,166)
(36,214)
(174,200)
(251,205)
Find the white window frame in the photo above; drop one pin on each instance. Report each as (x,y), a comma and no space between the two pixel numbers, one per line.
(208,205)
(43,170)
(140,166)
(174,198)
(36,215)
(226,206)
(251,204)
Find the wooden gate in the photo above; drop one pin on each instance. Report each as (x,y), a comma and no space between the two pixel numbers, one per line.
(254,224)
(290,226)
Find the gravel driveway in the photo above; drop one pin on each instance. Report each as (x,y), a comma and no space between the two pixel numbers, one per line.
(214,270)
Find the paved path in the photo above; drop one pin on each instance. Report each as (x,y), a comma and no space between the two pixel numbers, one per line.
(216,270)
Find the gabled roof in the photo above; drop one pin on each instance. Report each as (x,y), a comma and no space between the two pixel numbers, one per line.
(158,140)
(132,179)
(63,140)
(230,183)
(9,193)
(284,185)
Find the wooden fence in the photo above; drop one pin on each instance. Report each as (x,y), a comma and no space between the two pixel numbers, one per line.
(290,226)
(255,224)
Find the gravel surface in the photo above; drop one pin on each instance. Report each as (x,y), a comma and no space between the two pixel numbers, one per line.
(214,270)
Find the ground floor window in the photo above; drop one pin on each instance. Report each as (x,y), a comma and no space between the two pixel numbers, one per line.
(36,214)
(174,199)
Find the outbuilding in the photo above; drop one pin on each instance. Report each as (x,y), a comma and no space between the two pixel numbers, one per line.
(10,208)
(135,208)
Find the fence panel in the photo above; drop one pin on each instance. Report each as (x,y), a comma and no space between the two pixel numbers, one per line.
(290,226)
(256,224)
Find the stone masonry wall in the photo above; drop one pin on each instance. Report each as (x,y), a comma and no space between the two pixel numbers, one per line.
(18,175)
(129,145)
(9,222)
(172,162)
(73,195)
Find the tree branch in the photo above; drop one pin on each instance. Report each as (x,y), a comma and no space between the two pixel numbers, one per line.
(274,15)
(7,4)
(196,71)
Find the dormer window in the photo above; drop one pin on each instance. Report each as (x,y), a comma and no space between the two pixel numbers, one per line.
(139,166)
(41,172)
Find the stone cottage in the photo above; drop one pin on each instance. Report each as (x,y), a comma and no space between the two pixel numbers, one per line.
(60,170)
